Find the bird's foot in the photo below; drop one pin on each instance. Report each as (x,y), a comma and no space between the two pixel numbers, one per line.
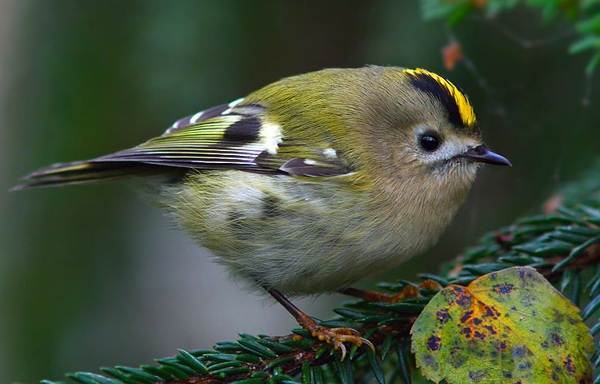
(336,337)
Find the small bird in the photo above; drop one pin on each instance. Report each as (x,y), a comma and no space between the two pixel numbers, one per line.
(312,182)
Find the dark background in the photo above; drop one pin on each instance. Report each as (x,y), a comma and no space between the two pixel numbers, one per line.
(93,276)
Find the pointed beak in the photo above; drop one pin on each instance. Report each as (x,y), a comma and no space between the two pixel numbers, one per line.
(483,154)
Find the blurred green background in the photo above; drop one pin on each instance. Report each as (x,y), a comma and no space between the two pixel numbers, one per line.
(93,276)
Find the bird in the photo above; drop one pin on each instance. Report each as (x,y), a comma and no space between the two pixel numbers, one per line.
(312,182)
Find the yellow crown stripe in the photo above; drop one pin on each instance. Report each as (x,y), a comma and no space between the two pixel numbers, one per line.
(465,109)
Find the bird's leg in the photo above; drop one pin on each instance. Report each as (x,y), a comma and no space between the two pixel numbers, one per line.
(407,292)
(335,337)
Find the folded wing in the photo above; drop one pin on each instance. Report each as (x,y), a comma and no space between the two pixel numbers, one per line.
(230,136)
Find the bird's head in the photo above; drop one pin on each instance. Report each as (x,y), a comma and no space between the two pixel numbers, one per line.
(422,131)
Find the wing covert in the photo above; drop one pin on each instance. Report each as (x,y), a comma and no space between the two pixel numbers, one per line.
(233,136)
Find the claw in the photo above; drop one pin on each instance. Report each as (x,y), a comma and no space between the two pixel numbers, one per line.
(342,349)
(336,337)
(369,344)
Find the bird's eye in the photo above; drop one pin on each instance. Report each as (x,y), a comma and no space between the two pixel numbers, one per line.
(429,141)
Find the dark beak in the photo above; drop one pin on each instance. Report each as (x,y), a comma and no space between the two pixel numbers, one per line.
(483,154)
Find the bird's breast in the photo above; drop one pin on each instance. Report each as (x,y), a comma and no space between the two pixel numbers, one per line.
(298,236)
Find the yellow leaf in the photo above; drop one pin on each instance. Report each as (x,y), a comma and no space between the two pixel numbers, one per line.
(510,326)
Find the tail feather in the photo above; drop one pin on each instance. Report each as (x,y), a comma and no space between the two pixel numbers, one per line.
(80,172)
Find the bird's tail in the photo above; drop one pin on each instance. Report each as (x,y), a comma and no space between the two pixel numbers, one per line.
(80,172)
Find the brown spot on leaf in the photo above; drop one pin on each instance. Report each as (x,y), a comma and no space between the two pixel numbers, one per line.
(519,351)
(524,366)
(492,312)
(433,343)
(477,376)
(466,316)
(503,289)
(463,299)
(466,331)
(569,365)
(556,339)
(442,315)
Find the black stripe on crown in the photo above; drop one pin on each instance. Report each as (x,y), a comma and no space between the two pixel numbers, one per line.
(431,86)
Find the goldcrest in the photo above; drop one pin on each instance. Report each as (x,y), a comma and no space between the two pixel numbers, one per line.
(312,182)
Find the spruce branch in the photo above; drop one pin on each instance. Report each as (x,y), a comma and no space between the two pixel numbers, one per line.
(563,244)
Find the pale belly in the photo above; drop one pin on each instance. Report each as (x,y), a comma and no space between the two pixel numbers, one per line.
(294,236)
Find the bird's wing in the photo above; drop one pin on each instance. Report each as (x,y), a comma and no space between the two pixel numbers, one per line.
(233,136)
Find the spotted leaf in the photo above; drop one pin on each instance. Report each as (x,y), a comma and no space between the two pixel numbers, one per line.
(510,326)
